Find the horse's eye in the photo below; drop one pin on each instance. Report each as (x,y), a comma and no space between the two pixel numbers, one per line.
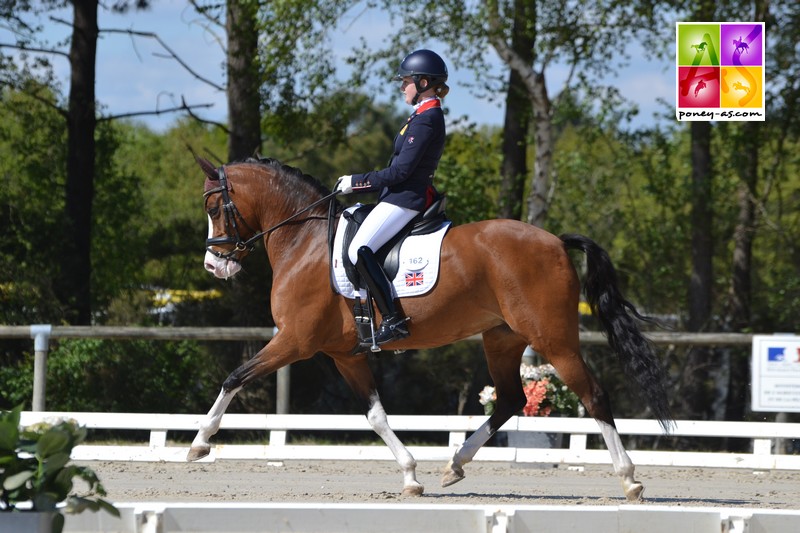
(214,211)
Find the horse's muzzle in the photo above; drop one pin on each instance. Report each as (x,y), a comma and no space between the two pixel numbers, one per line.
(221,268)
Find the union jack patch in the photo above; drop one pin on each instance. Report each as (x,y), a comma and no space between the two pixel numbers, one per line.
(414,279)
(411,140)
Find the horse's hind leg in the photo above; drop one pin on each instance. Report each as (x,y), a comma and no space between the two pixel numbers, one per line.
(503,349)
(564,355)
(623,466)
(357,374)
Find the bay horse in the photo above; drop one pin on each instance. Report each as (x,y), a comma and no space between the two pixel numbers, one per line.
(511,282)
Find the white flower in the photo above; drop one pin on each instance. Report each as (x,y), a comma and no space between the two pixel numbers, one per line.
(536,373)
(487,395)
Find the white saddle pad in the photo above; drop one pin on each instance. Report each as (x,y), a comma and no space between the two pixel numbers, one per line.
(419,262)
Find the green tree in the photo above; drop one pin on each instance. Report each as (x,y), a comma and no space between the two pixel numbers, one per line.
(74,287)
(581,37)
(169,218)
(120,376)
(32,164)
(517,115)
(468,174)
(244,103)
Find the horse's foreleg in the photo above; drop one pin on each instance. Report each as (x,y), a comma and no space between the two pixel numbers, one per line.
(200,445)
(380,424)
(278,353)
(358,376)
(503,350)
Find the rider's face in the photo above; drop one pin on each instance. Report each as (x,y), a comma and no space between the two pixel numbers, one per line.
(408,89)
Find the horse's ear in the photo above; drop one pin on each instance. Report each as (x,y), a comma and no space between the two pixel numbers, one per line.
(208,169)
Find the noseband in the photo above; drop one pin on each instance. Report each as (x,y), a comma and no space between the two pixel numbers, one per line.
(232,215)
(232,218)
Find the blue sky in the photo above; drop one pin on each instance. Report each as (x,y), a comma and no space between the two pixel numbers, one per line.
(133,75)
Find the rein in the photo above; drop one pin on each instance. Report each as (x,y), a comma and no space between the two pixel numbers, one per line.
(232,214)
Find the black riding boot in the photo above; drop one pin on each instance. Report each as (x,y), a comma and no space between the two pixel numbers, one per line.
(393,324)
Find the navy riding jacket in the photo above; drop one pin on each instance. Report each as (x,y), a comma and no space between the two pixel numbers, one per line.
(408,180)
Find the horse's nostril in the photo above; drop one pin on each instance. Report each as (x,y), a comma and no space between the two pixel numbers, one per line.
(209,267)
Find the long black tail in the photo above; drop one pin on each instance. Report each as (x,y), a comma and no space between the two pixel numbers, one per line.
(618,317)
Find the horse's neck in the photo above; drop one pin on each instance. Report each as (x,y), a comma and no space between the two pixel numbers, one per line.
(287,244)
(297,242)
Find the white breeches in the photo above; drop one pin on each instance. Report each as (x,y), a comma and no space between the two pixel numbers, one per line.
(384,222)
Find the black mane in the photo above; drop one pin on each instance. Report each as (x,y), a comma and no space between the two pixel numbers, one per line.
(293,172)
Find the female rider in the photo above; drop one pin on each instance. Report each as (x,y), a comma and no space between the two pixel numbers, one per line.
(406,185)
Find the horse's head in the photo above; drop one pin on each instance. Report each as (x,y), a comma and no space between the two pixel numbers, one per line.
(268,195)
(230,238)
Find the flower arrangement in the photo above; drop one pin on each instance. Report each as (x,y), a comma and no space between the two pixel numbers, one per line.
(545,391)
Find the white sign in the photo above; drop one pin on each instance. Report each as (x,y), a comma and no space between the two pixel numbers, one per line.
(776,373)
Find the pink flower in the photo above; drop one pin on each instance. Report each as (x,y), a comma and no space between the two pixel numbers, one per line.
(536,393)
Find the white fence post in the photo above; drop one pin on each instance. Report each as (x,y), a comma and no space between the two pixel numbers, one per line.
(283,386)
(40,333)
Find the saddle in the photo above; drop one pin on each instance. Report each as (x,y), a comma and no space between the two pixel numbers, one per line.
(388,255)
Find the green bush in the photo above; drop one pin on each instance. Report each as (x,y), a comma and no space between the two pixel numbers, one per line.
(119,376)
(35,469)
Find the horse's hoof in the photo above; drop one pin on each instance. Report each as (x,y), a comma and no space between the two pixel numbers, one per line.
(452,475)
(197,452)
(413,490)
(633,492)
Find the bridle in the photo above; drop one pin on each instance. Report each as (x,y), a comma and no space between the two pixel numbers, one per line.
(233,218)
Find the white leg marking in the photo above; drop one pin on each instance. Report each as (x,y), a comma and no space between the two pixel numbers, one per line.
(377,419)
(210,426)
(454,471)
(623,466)
(466,452)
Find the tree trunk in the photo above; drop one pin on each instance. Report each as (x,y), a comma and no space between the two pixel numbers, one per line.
(539,195)
(700,285)
(76,288)
(244,140)
(517,117)
(696,391)
(739,318)
(244,111)
(515,147)
(695,377)
(740,290)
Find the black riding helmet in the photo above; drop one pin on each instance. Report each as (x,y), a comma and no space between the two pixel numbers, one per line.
(423,64)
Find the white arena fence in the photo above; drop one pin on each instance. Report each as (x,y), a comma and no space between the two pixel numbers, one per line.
(764,436)
(231,517)
(427,518)
(159,517)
